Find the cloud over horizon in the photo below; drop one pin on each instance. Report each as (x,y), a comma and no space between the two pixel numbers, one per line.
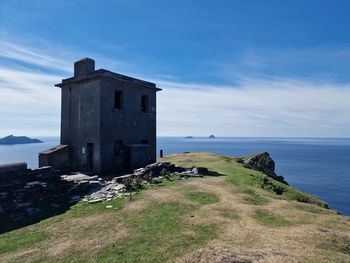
(30,104)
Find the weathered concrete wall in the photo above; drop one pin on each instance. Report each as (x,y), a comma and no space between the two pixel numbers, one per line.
(80,122)
(56,157)
(139,156)
(130,125)
(89,117)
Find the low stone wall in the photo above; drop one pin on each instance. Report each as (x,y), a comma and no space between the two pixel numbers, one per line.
(26,192)
(10,171)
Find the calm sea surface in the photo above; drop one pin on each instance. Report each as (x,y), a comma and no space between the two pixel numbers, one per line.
(317,166)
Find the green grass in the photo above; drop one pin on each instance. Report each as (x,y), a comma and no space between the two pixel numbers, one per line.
(312,209)
(202,197)
(267,218)
(253,198)
(21,239)
(229,213)
(242,177)
(158,234)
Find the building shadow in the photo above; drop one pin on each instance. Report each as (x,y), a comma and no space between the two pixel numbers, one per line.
(212,173)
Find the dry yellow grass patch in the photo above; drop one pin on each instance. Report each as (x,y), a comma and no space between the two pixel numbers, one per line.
(75,235)
(246,239)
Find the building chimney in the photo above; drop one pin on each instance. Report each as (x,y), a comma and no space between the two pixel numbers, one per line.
(83,67)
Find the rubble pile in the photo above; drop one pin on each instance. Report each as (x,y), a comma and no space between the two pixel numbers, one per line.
(166,168)
(123,186)
(26,192)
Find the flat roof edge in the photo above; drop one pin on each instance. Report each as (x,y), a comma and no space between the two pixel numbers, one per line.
(102,73)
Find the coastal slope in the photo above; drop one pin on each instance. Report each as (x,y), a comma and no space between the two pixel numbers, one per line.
(236,214)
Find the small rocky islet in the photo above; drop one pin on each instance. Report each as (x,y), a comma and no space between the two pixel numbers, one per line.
(11,140)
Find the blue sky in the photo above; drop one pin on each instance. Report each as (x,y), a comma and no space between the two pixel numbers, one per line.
(230,68)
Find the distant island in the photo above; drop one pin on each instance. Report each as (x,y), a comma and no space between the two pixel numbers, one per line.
(188,137)
(10,140)
(212,137)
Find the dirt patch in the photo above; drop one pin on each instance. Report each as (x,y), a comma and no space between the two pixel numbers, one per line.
(78,235)
(13,256)
(223,255)
(162,195)
(94,236)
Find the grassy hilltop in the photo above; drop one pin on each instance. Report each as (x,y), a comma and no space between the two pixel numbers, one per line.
(240,215)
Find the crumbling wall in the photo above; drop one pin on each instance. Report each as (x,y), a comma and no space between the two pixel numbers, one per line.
(56,157)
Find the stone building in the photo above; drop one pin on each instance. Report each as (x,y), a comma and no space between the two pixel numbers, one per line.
(108,122)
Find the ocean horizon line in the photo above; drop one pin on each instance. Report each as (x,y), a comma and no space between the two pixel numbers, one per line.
(232,137)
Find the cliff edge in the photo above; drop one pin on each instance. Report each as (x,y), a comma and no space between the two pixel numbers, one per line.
(262,162)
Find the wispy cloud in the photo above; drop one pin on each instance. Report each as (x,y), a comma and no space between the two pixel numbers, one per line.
(24,54)
(30,104)
(255,108)
(316,64)
(29,69)
(251,107)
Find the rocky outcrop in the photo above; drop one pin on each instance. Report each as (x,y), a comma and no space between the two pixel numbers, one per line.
(262,162)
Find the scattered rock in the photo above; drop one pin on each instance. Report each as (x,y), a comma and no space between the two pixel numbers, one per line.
(121,186)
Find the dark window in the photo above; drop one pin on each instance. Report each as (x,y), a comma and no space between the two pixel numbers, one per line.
(144,141)
(144,103)
(118,100)
(118,148)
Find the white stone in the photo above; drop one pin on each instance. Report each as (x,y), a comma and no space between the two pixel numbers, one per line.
(94,201)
